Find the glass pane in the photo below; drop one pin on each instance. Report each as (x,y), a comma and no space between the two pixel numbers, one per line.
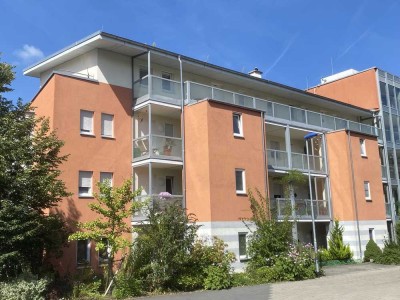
(383,93)
(328,122)
(298,115)
(236,124)
(391,96)
(239,180)
(281,111)
(314,118)
(242,244)
(222,95)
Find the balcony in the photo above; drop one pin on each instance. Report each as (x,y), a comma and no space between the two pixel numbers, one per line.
(278,159)
(275,111)
(161,202)
(159,89)
(302,208)
(157,146)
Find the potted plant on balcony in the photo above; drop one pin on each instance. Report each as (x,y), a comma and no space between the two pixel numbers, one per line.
(169,144)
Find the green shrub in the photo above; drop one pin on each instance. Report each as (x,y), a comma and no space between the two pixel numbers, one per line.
(25,287)
(390,254)
(86,284)
(336,247)
(126,286)
(243,279)
(324,255)
(372,251)
(217,278)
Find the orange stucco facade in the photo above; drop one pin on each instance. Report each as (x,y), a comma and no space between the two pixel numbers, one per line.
(359,89)
(213,154)
(366,168)
(61,100)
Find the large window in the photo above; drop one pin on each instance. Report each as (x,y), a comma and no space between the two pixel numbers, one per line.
(85,183)
(82,252)
(240,181)
(106,177)
(237,125)
(107,125)
(86,122)
(367,190)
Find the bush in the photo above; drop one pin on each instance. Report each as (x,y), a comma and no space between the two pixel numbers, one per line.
(25,287)
(86,284)
(390,254)
(217,278)
(324,255)
(372,252)
(127,286)
(243,279)
(336,247)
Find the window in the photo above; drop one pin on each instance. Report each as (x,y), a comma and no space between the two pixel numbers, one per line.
(371,233)
(86,122)
(169,184)
(142,73)
(103,253)
(367,190)
(107,126)
(237,125)
(85,183)
(166,81)
(240,181)
(363,149)
(243,245)
(104,176)
(82,252)
(169,130)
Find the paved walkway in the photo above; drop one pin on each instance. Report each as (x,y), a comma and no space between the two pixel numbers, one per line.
(359,281)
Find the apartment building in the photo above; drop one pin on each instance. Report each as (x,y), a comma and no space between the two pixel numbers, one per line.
(379,91)
(189,131)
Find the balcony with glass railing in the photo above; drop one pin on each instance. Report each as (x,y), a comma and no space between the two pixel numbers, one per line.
(152,87)
(278,159)
(275,111)
(157,146)
(302,210)
(158,201)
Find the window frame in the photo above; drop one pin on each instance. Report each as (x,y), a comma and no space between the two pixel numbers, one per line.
(243,257)
(90,193)
(82,130)
(82,263)
(363,148)
(243,176)
(371,233)
(112,126)
(168,80)
(367,185)
(240,125)
(111,180)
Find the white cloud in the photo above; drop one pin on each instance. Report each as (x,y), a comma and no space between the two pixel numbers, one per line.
(29,53)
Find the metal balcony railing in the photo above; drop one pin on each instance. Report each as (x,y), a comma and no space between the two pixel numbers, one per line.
(278,159)
(159,201)
(301,209)
(162,147)
(195,92)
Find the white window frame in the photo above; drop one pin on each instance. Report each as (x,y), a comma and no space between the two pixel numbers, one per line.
(367,190)
(83,131)
(102,178)
(103,116)
(87,262)
(90,192)
(245,256)
(363,148)
(243,173)
(239,115)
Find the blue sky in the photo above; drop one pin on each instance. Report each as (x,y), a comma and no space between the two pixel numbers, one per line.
(292,41)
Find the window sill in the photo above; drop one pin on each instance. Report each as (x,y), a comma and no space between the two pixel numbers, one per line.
(87,134)
(364,156)
(243,258)
(241,193)
(239,136)
(368,200)
(86,196)
(107,137)
(83,266)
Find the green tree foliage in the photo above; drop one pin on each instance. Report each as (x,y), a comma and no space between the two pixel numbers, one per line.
(372,251)
(29,185)
(292,179)
(113,206)
(336,247)
(271,236)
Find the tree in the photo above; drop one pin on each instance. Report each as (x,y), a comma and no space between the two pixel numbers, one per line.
(336,247)
(29,185)
(114,205)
